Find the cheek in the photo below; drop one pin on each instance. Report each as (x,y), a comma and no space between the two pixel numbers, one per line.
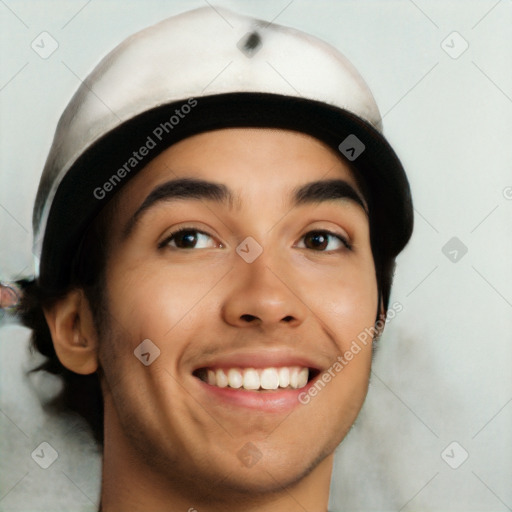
(353,305)
(150,299)
(344,299)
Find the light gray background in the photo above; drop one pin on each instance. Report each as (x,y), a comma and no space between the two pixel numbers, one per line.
(443,371)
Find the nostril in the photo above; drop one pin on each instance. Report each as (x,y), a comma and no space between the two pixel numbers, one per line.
(288,319)
(248,318)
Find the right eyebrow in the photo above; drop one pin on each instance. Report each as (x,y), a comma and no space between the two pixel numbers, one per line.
(181,188)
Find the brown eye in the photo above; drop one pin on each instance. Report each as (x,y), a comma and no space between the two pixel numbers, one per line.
(189,239)
(324,241)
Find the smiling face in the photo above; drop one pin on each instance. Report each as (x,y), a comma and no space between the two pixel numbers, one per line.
(271,313)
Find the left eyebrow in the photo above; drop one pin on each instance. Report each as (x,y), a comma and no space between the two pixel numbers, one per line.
(198,189)
(328,190)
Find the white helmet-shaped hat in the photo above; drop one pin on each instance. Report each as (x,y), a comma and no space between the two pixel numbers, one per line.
(192,73)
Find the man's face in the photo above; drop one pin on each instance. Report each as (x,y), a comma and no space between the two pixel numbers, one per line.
(211,308)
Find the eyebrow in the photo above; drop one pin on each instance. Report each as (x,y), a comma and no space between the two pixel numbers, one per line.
(192,188)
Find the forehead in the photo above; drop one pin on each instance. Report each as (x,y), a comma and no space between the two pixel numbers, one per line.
(255,163)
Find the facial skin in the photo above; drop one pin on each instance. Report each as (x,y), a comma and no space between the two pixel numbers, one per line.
(171,438)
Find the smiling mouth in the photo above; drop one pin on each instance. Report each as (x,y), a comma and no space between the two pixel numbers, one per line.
(257,379)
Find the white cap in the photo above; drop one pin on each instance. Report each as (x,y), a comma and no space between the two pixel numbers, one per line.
(195,55)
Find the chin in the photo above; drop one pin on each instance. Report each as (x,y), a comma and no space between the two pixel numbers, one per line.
(261,479)
(269,474)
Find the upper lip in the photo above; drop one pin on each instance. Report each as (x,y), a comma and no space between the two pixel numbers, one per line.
(262,357)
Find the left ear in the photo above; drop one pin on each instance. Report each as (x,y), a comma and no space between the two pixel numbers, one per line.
(73,333)
(380,323)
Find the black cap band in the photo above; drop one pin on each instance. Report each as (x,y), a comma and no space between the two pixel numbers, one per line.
(103,169)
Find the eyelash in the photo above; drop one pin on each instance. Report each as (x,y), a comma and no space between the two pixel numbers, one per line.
(172,235)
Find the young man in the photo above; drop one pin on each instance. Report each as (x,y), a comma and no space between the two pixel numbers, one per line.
(217,225)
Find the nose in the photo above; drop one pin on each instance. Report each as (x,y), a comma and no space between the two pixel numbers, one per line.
(262,296)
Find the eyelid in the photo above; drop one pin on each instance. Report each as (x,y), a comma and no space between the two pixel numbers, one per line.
(343,237)
(332,228)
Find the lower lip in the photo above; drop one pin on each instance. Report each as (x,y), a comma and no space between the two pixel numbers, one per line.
(269,401)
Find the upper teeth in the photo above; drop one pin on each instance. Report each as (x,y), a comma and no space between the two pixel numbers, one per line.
(261,378)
